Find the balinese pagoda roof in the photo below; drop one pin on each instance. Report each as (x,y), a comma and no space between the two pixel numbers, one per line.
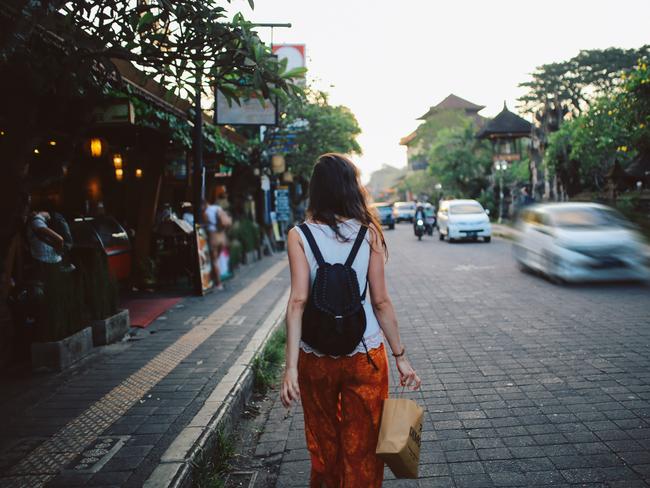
(404,141)
(506,124)
(453,102)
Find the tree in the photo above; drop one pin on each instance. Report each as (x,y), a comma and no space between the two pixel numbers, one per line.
(326,128)
(420,183)
(460,162)
(427,132)
(58,57)
(616,127)
(580,80)
(180,44)
(382,182)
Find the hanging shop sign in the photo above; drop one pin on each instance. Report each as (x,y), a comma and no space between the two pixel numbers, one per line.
(252,109)
(282,206)
(296,56)
(119,111)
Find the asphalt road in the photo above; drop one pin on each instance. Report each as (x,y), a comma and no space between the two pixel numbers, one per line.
(525,383)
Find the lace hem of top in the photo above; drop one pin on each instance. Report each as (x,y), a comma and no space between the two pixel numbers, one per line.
(372,342)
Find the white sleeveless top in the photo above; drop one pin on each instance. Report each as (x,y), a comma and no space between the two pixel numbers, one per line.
(335,251)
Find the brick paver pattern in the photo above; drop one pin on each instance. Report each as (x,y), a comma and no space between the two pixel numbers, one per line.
(46,461)
(525,383)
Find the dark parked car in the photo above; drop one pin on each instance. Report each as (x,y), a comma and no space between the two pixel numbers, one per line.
(385,211)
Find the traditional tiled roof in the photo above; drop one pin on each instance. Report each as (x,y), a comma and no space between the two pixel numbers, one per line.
(505,124)
(404,141)
(453,102)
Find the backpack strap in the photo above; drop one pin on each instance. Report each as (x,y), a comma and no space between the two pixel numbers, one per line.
(356,245)
(312,243)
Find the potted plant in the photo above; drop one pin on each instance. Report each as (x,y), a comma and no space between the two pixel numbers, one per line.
(61,336)
(109,324)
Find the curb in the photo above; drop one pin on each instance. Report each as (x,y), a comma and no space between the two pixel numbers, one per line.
(219,412)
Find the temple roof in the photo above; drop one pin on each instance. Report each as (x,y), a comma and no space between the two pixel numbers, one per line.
(453,102)
(505,124)
(404,141)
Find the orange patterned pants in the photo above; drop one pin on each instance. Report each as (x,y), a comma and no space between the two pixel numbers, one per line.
(342,400)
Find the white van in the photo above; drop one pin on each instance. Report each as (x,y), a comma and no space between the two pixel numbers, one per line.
(463,219)
(404,211)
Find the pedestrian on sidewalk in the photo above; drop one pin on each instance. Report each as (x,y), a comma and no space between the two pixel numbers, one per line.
(342,396)
(216,221)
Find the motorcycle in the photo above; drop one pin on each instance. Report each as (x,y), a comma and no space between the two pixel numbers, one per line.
(419,228)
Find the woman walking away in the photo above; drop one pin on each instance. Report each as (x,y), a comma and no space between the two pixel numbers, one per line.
(336,360)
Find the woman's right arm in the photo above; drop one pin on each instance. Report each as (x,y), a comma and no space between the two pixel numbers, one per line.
(297,301)
(385,313)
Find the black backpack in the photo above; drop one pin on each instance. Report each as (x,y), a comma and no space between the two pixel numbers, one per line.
(334,320)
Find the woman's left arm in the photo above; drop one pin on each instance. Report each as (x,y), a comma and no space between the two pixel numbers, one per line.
(300,278)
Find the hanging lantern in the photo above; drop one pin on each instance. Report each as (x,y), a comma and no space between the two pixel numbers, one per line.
(278,164)
(96,147)
(117,161)
(119,174)
(138,173)
(287,177)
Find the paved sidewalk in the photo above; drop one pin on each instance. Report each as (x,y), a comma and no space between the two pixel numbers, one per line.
(524,383)
(108,421)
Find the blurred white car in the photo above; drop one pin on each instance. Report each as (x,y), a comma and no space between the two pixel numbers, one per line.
(404,211)
(580,242)
(463,219)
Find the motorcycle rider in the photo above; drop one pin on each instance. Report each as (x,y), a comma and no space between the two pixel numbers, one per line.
(419,215)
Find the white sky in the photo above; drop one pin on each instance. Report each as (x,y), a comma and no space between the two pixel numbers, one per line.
(389,61)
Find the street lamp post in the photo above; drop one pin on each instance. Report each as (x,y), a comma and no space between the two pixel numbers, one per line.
(501,166)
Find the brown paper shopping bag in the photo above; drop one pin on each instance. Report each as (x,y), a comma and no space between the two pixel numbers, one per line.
(400,434)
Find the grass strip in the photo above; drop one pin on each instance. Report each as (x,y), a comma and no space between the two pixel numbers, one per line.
(209,471)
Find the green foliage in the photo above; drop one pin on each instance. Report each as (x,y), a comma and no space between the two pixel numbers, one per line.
(488,199)
(330,129)
(178,43)
(420,183)
(247,233)
(460,162)
(384,181)
(267,364)
(209,470)
(99,286)
(60,312)
(236,250)
(179,129)
(577,82)
(616,127)
(429,130)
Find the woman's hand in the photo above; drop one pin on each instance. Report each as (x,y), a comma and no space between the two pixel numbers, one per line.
(407,375)
(290,391)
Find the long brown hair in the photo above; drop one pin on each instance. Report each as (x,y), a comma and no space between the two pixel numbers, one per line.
(335,191)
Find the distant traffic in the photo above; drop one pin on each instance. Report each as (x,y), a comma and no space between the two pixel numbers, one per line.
(565,242)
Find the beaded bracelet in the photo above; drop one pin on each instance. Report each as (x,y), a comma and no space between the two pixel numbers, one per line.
(400,354)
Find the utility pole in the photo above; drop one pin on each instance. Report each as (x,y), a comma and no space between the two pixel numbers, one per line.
(197,176)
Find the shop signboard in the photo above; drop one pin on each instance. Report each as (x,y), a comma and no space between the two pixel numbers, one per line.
(296,56)
(119,111)
(282,207)
(251,109)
